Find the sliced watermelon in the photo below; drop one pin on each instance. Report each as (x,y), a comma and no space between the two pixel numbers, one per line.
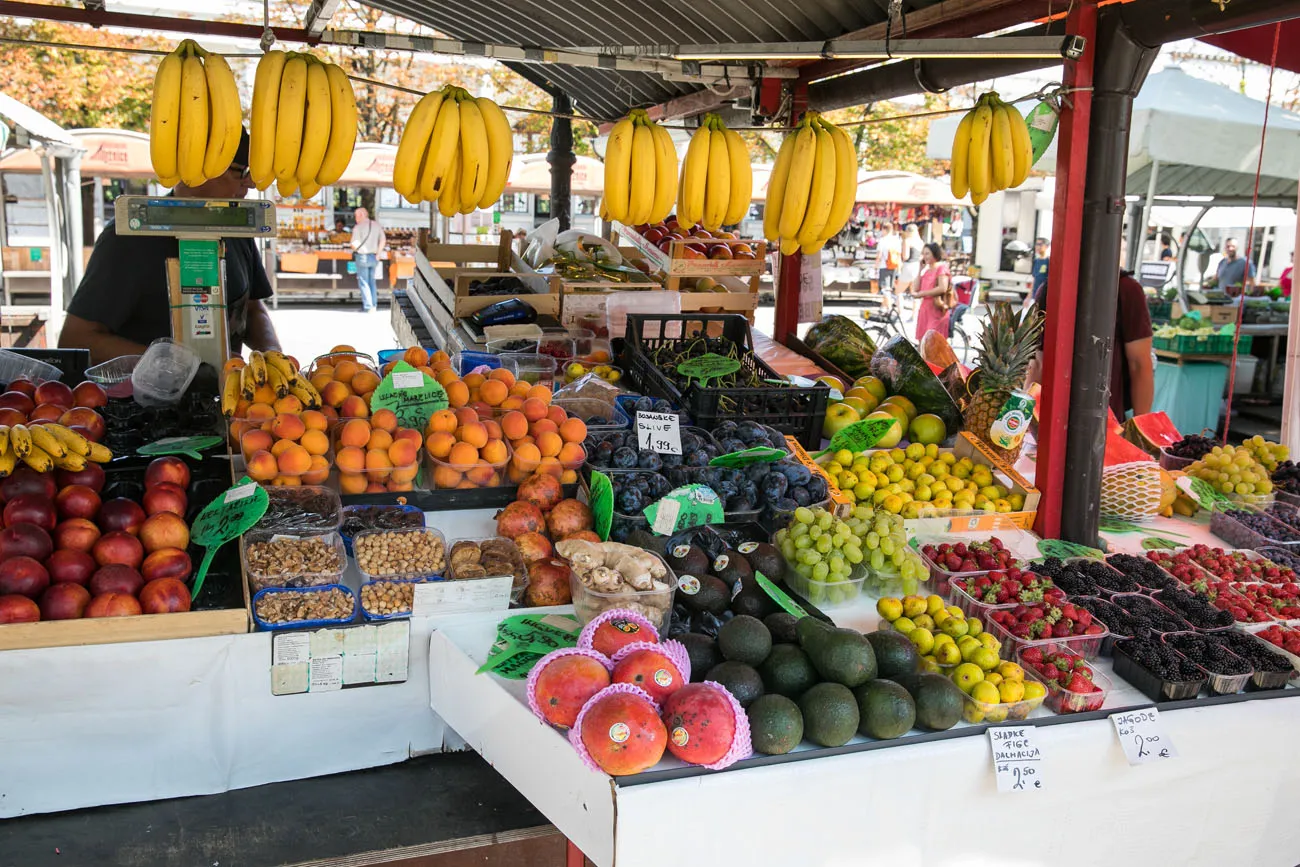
(1156,429)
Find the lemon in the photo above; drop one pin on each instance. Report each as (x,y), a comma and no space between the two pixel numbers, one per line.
(923,639)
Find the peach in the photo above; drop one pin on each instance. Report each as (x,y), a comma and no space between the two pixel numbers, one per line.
(534,409)
(10,417)
(354,406)
(439,444)
(514,425)
(64,602)
(384,419)
(238,429)
(315,420)
(573,430)
(457,393)
(335,393)
(289,403)
(354,432)
(315,442)
(473,433)
(167,469)
(365,381)
(379,439)
(319,472)
(462,456)
(352,483)
(295,461)
(287,427)
(346,369)
(557,415)
(481,475)
(262,466)
(494,452)
(572,455)
(443,420)
(350,459)
(164,530)
(549,444)
(527,457)
(540,392)
(403,453)
(445,478)
(493,392)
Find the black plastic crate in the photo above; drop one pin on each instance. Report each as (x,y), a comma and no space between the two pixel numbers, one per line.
(1149,684)
(798,412)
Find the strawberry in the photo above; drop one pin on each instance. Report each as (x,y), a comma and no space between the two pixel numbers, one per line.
(1079,683)
(1032,655)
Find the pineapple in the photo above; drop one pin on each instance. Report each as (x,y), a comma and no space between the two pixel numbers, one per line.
(1009,343)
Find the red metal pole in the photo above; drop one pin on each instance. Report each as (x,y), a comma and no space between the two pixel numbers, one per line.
(1063,278)
(788,267)
(573,856)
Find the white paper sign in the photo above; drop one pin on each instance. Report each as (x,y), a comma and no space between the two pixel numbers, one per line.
(659,432)
(407,378)
(240,493)
(1142,736)
(1017,760)
(461,597)
(326,674)
(666,517)
(290,648)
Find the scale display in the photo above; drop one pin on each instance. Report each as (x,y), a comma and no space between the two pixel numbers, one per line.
(194,218)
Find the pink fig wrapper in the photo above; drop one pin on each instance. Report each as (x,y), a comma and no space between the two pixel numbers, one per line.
(575,733)
(531,684)
(674,650)
(589,631)
(741,745)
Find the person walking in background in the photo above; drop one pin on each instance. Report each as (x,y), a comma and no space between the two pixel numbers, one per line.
(1038,270)
(1234,275)
(1166,248)
(368,242)
(1284,282)
(911,264)
(934,289)
(889,256)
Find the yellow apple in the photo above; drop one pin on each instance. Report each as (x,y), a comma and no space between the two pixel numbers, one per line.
(892,436)
(838,417)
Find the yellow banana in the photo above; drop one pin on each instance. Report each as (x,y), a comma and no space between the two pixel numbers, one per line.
(776,185)
(230,394)
(193,135)
(100,453)
(226,117)
(289,121)
(501,150)
(278,381)
(979,171)
(474,154)
(821,189)
(742,178)
(1000,156)
(305,397)
(300,381)
(789,246)
(316,127)
(444,146)
(695,172)
(46,441)
(164,118)
(287,188)
(798,185)
(70,462)
(665,174)
(978,198)
(641,192)
(247,385)
(618,164)
(846,181)
(449,195)
(8,461)
(1022,149)
(257,364)
(73,442)
(308,190)
(343,126)
(961,155)
(38,459)
(281,362)
(717,185)
(4,438)
(21,440)
(261,132)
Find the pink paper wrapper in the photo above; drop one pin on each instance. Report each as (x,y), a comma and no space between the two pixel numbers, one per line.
(575,733)
(531,685)
(674,650)
(589,631)
(741,745)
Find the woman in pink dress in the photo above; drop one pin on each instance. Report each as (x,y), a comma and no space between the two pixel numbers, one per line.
(932,287)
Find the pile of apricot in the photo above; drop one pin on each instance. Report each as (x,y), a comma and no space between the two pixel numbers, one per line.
(288,448)
(376,454)
(466,449)
(544,439)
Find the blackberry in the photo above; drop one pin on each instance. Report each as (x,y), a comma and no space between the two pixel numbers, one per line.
(1150,614)
(1192,446)
(1196,609)
(1251,649)
(1116,619)
(1143,571)
(1281,556)
(1208,655)
(1160,659)
(1067,577)
(1105,577)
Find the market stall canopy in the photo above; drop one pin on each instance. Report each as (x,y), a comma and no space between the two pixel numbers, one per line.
(31,124)
(531,173)
(905,188)
(1204,137)
(1256,43)
(371,166)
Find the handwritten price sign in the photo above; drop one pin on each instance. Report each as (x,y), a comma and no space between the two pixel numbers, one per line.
(659,432)
(1017,759)
(412,395)
(1142,736)
(683,508)
(226,518)
(861,435)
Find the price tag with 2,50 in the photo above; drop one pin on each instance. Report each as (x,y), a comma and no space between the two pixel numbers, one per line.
(1017,759)
(659,432)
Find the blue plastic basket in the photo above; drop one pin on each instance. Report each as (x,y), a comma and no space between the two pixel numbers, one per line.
(303,624)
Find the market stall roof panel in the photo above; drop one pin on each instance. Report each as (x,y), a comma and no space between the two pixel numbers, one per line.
(110,153)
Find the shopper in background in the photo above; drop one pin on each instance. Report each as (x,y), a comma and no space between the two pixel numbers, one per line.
(340,225)
(1234,275)
(1038,270)
(1166,248)
(911,265)
(889,256)
(124,303)
(1284,282)
(368,242)
(934,289)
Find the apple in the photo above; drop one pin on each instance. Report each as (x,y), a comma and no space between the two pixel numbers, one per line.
(18,609)
(838,417)
(89,394)
(832,382)
(873,384)
(113,605)
(862,406)
(897,412)
(64,602)
(167,469)
(892,436)
(901,402)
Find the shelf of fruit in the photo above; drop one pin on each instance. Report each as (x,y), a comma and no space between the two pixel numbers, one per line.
(1225,565)
(695,251)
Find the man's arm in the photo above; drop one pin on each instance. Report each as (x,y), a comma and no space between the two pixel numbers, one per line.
(103,344)
(383,242)
(1141,375)
(260,332)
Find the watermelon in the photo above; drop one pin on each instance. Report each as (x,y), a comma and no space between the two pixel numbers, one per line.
(1151,432)
(904,372)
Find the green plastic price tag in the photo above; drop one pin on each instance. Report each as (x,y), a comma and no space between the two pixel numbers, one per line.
(524,639)
(1063,549)
(225,518)
(412,395)
(686,507)
(759,455)
(1205,494)
(1156,543)
(190,446)
(708,366)
(1042,121)
(779,596)
(860,436)
(602,503)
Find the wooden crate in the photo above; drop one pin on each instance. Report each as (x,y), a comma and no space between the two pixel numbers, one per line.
(299,263)
(675,264)
(443,256)
(462,304)
(118,630)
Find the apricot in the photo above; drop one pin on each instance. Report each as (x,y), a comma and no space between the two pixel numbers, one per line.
(416,356)
(354,432)
(319,472)
(480,474)
(444,477)
(384,419)
(345,370)
(493,428)
(365,381)
(573,430)
(549,444)
(294,461)
(572,455)
(439,359)
(494,452)
(466,415)
(350,459)
(550,466)
(462,456)
(439,444)
(557,414)
(402,475)
(287,427)
(569,477)
(514,425)
(378,466)
(534,409)
(315,442)
(354,406)
(286,482)
(443,420)
(320,379)
(527,457)
(352,483)
(403,453)
(289,403)
(538,428)
(473,380)
(388,368)
(520,388)
(516,475)
(255,440)
(379,439)
(260,412)
(466,484)
(314,420)
(514,401)
(334,393)
(262,466)
(446,376)
(394,485)
(237,431)
(493,392)
(410,435)
(540,392)
(457,393)
(331,414)
(232,364)
(281,446)
(264,394)
(481,409)
(473,433)
(375,488)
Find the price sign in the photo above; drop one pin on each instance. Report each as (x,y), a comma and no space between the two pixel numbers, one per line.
(861,435)
(1042,122)
(601,498)
(226,518)
(190,446)
(523,639)
(412,395)
(708,366)
(779,596)
(686,507)
(1142,736)
(1062,549)
(659,432)
(1206,495)
(758,455)
(1017,759)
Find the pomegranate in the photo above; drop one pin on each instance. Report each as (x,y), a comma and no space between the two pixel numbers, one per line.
(564,682)
(583,536)
(534,547)
(548,584)
(622,732)
(542,490)
(519,518)
(568,517)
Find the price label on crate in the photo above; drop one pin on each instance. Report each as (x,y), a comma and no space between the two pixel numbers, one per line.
(708,366)
(686,507)
(1142,736)
(861,435)
(659,432)
(1017,759)
(413,402)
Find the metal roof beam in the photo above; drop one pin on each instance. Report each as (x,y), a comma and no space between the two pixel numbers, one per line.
(319,14)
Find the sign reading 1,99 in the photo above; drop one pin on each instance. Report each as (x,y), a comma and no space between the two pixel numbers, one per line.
(659,432)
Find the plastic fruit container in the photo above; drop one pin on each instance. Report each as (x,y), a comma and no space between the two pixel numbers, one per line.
(532,367)
(270,592)
(1064,701)
(1219,683)
(301,509)
(444,475)
(1150,684)
(1087,646)
(404,592)
(1011,537)
(655,605)
(421,574)
(259,578)
(467,362)
(1140,600)
(969,605)
(592,407)
(14,365)
(163,373)
(518,574)
(1230,529)
(571,370)
(829,594)
(1173,462)
(113,375)
(1263,679)
(974,711)
(353,520)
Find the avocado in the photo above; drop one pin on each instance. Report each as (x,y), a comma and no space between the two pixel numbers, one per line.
(886,710)
(895,654)
(754,602)
(703,652)
(938,700)
(732,567)
(641,538)
(775,725)
(830,714)
(741,680)
(842,656)
(745,639)
(787,671)
(710,595)
(765,558)
(690,559)
(783,628)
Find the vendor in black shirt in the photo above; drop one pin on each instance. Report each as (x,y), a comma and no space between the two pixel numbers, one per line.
(122,304)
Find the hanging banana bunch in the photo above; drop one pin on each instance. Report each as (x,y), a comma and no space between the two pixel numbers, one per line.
(717,180)
(195,120)
(455,150)
(303,125)
(640,171)
(991,150)
(813,186)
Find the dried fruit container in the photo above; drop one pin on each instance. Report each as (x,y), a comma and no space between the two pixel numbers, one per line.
(974,711)
(519,578)
(1064,701)
(259,579)
(304,508)
(409,574)
(1230,529)
(403,517)
(401,587)
(829,594)
(655,605)
(1219,683)
(1150,684)
(303,624)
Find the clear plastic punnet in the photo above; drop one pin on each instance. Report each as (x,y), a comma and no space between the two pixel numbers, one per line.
(163,373)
